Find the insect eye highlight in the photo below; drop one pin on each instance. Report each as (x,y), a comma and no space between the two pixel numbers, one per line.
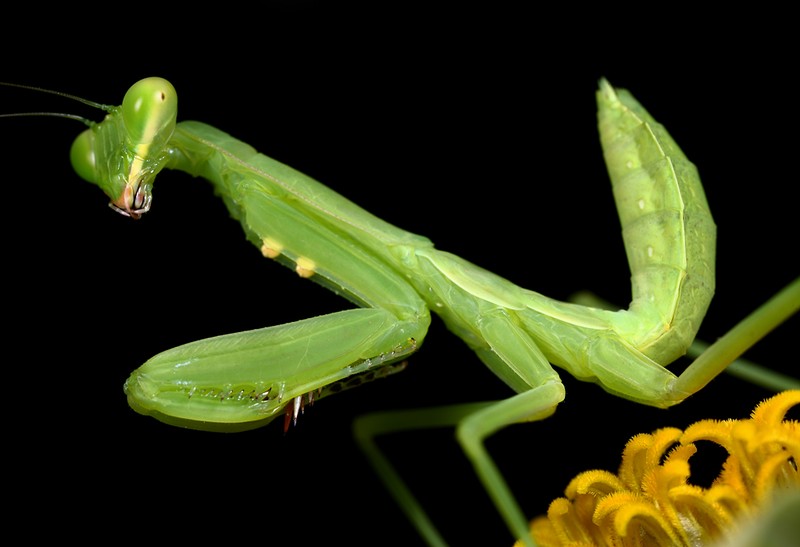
(150,110)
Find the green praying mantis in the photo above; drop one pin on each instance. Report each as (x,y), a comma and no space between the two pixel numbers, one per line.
(396,278)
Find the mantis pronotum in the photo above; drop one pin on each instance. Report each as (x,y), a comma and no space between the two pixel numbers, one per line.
(220,389)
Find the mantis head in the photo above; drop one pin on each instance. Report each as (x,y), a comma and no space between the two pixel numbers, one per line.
(124,153)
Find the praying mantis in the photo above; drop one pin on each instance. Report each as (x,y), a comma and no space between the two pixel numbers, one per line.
(305,270)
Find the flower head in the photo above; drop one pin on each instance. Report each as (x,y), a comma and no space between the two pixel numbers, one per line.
(650,501)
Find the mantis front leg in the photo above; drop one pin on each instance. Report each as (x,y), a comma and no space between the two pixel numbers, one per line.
(221,383)
(243,380)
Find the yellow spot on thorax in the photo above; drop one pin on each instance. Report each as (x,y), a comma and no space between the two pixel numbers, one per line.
(305,267)
(271,248)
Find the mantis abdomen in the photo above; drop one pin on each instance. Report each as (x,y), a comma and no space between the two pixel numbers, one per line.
(670,237)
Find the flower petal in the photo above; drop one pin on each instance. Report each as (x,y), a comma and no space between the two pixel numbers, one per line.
(773,410)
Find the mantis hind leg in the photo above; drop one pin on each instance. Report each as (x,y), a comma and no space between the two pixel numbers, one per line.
(722,353)
(369,426)
(536,404)
(474,423)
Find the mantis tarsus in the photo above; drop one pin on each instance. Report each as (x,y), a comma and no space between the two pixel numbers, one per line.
(413,257)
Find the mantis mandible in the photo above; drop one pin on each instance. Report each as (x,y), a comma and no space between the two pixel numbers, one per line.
(245,380)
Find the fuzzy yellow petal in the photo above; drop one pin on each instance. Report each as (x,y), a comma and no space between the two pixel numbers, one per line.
(634,458)
(717,431)
(777,471)
(733,477)
(643,452)
(729,501)
(651,501)
(774,409)
(543,533)
(568,524)
(630,516)
(596,482)
(663,440)
(700,517)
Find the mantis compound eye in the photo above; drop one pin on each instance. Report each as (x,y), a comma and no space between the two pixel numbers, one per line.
(83,157)
(149,111)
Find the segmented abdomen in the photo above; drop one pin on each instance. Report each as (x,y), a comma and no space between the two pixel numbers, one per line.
(669,235)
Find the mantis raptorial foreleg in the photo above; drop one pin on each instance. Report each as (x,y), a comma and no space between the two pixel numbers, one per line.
(376,341)
(243,380)
(330,350)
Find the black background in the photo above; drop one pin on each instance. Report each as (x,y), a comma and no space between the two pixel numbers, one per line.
(475,128)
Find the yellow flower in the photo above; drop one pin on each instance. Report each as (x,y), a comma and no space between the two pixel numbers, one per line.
(650,501)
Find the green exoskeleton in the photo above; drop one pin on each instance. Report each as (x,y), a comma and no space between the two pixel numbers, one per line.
(244,380)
